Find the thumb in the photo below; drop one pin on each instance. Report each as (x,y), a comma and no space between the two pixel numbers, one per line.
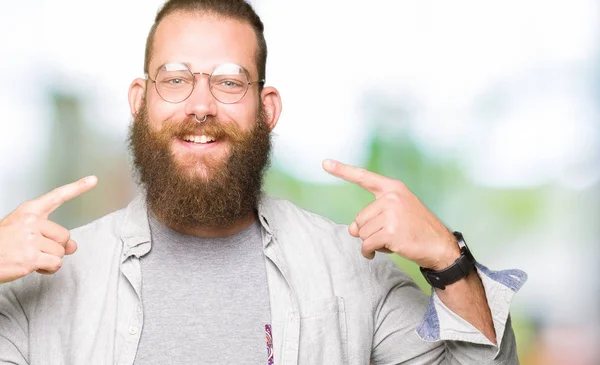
(353,229)
(70,247)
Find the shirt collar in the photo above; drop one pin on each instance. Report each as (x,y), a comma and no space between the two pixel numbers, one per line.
(135,233)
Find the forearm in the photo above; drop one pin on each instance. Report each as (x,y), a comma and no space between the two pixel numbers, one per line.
(464,341)
(467,299)
(443,336)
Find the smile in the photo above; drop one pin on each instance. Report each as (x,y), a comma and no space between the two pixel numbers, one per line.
(202,139)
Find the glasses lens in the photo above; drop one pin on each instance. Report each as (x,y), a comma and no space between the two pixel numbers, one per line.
(174,82)
(228,83)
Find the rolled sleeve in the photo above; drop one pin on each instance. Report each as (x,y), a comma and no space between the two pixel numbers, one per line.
(442,324)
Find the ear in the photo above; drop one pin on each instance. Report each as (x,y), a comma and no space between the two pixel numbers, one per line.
(272,105)
(137,91)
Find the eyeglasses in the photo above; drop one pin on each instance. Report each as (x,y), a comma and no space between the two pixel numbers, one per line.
(228,82)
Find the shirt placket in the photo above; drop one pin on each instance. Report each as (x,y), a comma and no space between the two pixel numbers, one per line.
(290,334)
(131,317)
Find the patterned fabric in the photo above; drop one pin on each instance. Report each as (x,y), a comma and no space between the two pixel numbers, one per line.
(269,344)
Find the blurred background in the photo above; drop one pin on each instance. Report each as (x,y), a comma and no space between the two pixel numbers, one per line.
(488,111)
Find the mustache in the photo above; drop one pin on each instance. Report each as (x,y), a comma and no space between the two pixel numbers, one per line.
(212,127)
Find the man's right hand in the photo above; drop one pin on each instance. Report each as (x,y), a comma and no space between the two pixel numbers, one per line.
(30,242)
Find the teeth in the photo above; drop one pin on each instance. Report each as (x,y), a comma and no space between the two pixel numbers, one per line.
(199,139)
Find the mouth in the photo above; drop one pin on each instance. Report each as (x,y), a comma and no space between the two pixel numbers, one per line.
(202,139)
(200,143)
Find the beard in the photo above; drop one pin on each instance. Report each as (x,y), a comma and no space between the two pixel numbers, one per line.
(225,190)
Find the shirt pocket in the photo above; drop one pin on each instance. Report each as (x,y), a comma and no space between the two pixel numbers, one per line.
(323,332)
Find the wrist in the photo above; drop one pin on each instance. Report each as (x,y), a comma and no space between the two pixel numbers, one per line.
(444,274)
(450,253)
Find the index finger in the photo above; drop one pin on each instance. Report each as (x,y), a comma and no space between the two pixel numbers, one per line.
(357,175)
(49,202)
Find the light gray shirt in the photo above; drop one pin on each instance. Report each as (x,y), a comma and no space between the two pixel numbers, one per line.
(205,300)
(329,305)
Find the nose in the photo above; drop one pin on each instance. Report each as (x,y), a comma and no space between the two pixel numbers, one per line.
(201,103)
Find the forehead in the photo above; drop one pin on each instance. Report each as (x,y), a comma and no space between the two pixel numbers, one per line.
(203,41)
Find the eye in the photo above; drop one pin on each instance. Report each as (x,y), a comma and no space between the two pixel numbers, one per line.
(230,83)
(176,81)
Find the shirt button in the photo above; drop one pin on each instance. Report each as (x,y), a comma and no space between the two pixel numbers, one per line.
(133,331)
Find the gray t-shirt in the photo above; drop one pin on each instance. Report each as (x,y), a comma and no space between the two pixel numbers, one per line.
(206,300)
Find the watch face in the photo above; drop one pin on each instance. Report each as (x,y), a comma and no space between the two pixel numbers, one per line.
(460,239)
(463,246)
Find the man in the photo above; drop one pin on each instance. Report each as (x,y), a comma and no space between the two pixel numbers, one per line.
(203,268)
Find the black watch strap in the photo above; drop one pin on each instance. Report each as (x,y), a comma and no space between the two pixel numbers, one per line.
(453,273)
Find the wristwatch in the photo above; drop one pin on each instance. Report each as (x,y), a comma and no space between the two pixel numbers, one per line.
(453,273)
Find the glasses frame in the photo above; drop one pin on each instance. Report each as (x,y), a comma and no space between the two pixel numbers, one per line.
(248,83)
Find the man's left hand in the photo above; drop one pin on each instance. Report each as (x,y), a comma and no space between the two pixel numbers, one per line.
(397,221)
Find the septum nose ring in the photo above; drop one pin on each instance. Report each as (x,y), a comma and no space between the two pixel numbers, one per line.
(200,120)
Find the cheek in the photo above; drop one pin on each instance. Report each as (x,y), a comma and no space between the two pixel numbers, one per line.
(243,115)
(160,111)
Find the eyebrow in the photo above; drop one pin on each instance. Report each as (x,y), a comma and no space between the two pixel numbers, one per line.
(168,62)
(187,64)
